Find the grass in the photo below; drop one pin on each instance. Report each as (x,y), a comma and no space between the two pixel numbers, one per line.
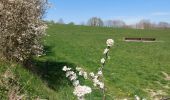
(133,67)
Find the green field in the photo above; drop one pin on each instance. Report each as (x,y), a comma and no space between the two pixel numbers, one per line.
(134,67)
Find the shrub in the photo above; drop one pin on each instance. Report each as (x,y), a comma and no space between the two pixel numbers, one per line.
(21,28)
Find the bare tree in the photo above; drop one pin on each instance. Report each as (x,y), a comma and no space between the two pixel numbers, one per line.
(94,21)
(163,25)
(144,24)
(118,23)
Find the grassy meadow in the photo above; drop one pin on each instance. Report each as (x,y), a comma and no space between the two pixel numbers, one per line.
(134,68)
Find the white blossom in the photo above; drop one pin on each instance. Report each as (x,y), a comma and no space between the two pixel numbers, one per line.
(136,97)
(105,51)
(81,73)
(95,81)
(80,91)
(99,73)
(21,59)
(110,42)
(73,77)
(68,73)
(21,41)
(91,74)
(101,85)
(76,83)
(96,77)
(102,60)
(66,69)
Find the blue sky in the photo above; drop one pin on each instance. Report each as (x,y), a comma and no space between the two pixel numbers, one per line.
(130,11)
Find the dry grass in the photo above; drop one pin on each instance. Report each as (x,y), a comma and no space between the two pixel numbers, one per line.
(166,76)
(11,86)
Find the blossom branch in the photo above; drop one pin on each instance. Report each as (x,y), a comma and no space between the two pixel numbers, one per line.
(79,90)
(97,79)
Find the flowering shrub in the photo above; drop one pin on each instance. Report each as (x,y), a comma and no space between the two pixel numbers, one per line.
(97,78)
(21,28)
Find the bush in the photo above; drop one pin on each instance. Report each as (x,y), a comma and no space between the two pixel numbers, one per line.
(21,28)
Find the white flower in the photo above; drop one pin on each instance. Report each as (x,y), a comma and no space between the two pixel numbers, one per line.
(66,69)
(110,42)
(101,85)
(105,51)
(76,83)
(81,73)
(69,73)
(20,58)
(80,91)
(96,77)
(73,77)
(95,81)
(85,75)
(136,97)
(99,73)
(91,74)
(102,60)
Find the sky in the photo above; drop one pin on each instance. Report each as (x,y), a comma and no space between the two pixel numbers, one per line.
(130,11)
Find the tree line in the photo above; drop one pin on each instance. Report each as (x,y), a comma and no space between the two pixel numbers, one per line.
(142,24)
